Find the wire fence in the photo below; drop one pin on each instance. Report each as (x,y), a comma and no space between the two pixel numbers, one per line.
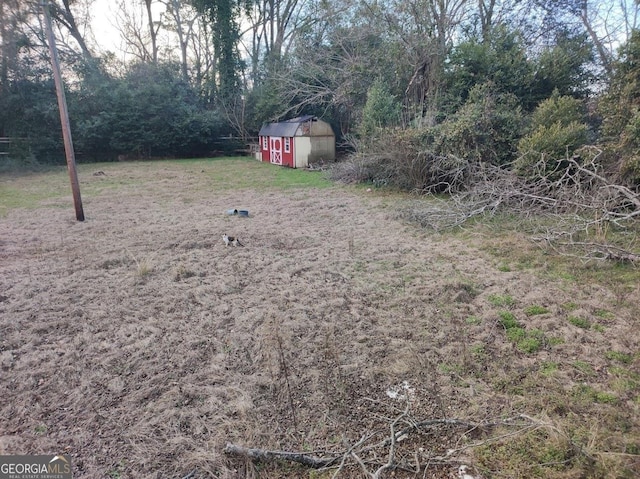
(12,147)
(5,143)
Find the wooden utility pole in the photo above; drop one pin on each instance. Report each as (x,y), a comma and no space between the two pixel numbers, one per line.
(64,114)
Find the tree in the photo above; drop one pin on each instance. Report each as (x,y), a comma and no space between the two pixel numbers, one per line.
(29,111)
(329,69)
(223,16)
(274,26)
(138,33)
(64,15)
(502,61)
(486,10)
(153,27)
(620,111)
(381,109)
(21,64)
(426,29)
(184,23)
(622,99)
(564,67)
(9,40)
(150,112)
(203,60)
(606,23)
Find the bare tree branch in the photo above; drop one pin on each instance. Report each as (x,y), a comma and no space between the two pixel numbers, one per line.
(263,455)
(584,203)
(354,454)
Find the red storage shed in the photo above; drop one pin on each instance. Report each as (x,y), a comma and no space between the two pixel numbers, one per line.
(297,142)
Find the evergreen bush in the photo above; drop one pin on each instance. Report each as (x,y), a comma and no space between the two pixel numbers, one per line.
(381,109)
(485,129)
(557,131)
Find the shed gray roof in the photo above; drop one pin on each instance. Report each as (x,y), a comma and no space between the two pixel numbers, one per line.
(286,128)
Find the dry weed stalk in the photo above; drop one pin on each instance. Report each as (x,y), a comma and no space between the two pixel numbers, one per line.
(143,267)
(284,368)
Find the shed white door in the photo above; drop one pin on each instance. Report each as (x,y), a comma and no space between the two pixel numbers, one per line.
(276,150)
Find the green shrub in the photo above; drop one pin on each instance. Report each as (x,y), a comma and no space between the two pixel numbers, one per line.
(381,109)
(433,158)
(630,169)
(619,110)
(557,109)
(632,131)
(544,150)
(630,149)
(557,130)
(485,129)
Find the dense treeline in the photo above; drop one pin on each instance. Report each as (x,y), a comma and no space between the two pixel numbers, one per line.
(148,112)
(524,84)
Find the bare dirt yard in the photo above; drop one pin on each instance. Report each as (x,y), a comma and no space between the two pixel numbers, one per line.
(141,345)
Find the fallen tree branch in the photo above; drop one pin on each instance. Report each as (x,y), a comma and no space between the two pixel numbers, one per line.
(264,455)
(349,453)
(588,211)
(359,449)
(593,250)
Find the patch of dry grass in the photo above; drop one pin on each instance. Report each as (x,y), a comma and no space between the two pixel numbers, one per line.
(139,344)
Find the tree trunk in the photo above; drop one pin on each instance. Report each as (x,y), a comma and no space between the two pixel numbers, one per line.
(153,32)
(4,67)
(602,52)
(184,30)
(65,17)
(485,9)
(4,64)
